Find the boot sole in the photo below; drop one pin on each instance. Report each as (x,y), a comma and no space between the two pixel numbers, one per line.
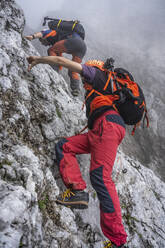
(77,205)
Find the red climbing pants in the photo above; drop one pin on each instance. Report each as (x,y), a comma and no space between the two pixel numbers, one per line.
(102,143)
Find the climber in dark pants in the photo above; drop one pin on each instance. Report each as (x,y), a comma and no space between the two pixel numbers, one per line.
(60,42)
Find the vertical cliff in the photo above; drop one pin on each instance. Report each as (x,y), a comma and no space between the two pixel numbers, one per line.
(36,109)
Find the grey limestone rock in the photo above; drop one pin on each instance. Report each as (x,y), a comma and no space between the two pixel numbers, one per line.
(36,110)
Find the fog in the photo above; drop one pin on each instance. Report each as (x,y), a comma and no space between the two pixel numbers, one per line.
(130,31)
(123,15)
(127,23)
(35,9)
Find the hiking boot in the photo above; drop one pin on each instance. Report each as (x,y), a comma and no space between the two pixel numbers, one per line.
(109,244)
(74,199)
(75,92)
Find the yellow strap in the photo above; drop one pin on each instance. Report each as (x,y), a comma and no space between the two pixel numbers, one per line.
(59,22)
(74,25)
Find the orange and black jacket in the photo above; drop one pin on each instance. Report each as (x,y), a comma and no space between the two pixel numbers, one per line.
(53,36)
(97,79)
(107,90)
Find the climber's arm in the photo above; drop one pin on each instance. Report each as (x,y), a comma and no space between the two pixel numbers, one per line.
(34,36)
(57,60)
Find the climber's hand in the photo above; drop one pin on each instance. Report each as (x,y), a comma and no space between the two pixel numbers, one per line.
(32,60)
(29,37)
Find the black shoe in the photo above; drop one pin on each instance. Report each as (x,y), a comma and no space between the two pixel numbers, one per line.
(74,199)
(109,244)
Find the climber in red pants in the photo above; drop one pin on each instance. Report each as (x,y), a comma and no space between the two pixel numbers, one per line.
(106,132)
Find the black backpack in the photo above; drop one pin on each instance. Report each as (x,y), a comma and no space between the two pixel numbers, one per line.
(131,103)
(67,27)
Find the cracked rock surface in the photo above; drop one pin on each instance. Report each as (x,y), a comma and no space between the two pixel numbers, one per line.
(36,109)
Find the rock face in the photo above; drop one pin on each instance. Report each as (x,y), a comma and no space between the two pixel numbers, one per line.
(36,109)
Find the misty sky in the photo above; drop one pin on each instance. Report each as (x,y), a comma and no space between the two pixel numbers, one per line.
(34,10)
(130,24)
(150,11)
